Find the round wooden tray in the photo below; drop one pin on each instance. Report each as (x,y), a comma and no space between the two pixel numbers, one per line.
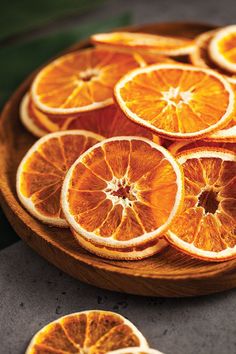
(168,274)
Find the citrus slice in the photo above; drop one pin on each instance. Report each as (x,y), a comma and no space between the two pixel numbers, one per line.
(222,48)
(228,133)
(123,192)
(135,350)
(80,81)
(27,118)
(144,42)
(40,174)
(96,332)
(128,253)
(206,227)
(179,146)
(200,55)
(108,121)
(176,101)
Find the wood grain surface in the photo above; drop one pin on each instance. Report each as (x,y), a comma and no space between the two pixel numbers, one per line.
(168,274)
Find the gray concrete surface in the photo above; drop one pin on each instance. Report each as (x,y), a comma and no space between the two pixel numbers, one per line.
(33,293)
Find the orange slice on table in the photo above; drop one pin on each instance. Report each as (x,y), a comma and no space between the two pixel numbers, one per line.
(176,101)
(41,173)
(135,350)
(96,332)
(139,252)
(108,121)
(180,146)
(124,192)
(222,48)
(144,42)
(200,55)
(80,81)
(206,227)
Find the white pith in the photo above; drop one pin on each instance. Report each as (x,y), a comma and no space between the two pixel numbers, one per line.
(131,75)
(142,339)
(190,247)
(109,240)
(27,120)
(135,350)
(27,202)
(119,255)
(175,93)
(215,53)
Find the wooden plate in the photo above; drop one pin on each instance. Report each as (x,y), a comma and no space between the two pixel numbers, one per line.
(168,274)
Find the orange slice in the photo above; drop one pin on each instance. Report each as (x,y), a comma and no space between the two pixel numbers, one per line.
(228,133)
(222,48)
(108,121)
(176,101)
(145,250)
(135,350)
(41,173)
(27,118)
(206,227)
(144,42)
(180,146)
(200,55)
(80,81)
(123,192)
(96,332)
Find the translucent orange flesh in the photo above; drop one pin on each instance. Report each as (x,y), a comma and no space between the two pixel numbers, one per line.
(208,218)
(176,100)
(98,332)
(143,196)
(143,41)
(82,78)
(43,173)
(227,47)
(108,121)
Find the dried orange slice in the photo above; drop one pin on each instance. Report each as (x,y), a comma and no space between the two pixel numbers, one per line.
(41,173)
(123,192)
(176,101)
(179,146)
(139,252)
(144,42)
(80,81)
(135,350)
(222,48)
(27,117)
(108,121)
(96,332)
(228,133)
(206,227)
(200,55)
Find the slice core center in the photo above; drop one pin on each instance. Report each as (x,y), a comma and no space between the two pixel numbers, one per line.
(208,201)
(175,97)
(88,74)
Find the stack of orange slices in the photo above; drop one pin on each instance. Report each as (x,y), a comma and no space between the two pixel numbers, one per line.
(98,168)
